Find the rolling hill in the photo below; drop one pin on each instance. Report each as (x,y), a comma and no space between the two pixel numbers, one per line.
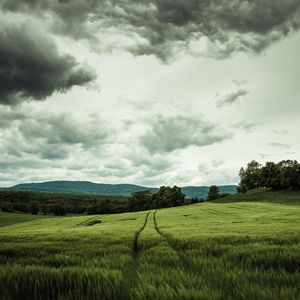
(90,188)
(263,195)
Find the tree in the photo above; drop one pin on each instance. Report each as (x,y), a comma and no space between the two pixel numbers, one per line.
(69,208)
(105,207)
(194,200)
(168,197)
(178,198)
(289,174)
(44,209)
(34,207)
(140,201)
(251,177)
(91,210)
(270,175)
(20,206)
(280,176)
(57,209)
(7,207)
(213,192)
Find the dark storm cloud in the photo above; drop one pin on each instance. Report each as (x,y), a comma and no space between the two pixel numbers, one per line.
(166,26)
(31,67)
(179,132)
(232,98)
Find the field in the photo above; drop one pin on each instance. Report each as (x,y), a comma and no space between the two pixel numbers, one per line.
(240,250)
(14,218)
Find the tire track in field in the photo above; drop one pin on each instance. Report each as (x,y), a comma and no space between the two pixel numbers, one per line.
(135,244)
(246,208)
(179,247)
(171,241)
(164,235)
(130,272)
(216,211)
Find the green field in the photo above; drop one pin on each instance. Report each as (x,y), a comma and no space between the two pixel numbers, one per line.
(264,195)
(241,250)
(14,218)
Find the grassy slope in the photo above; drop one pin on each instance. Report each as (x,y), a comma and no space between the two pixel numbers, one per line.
(204,251)
(264,195)
(13,218)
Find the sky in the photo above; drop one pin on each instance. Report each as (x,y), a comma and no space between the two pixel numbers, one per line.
(156,92)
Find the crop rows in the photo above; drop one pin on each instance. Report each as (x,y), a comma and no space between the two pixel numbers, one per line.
(237,252)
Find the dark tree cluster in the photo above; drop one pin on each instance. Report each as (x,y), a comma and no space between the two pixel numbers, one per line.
(165,197)
(214,193)
(278,176)
(59,204)
(195,200)
(106,207)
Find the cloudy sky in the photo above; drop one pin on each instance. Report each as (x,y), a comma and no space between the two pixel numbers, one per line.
(148,92)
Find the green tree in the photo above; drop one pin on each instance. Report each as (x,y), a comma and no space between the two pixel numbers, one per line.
(91,210)
(105,207)
(271,176)
(44,209)
(280,176)
(57,209)
(168,197)
(7,207)
(251,177)
(177,197)
(34,207)
(140,201)
(289,174)
(20,206)
(213,192)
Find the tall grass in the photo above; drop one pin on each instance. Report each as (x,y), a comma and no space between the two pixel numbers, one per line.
(205,251)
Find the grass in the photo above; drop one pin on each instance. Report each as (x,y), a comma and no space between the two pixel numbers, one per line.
(13,218)
(264,195)
(235,250)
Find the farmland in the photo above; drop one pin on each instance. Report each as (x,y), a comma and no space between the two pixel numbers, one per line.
(235,250)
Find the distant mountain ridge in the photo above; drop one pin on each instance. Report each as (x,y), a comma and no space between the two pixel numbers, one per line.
(90,188)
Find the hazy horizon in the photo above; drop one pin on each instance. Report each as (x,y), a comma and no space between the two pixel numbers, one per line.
(151,93)
(37,182)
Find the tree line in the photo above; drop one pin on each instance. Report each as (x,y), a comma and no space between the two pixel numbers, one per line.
(61,204)
(166,197)
(278,176)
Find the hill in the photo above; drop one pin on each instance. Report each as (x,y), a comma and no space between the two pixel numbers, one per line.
(263,195)
(90,188)
(15,218)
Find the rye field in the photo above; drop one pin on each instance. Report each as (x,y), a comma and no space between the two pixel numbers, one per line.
(236,250)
